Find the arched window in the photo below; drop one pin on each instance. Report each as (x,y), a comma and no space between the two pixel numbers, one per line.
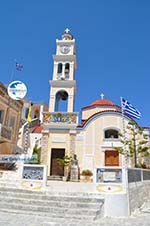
(59,71)
(61,103)
(67,70)
(111,134)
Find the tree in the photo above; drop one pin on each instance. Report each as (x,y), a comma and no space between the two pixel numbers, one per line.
(36,155)
(135,143)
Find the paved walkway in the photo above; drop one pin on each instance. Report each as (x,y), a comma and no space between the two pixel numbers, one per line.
(140,218)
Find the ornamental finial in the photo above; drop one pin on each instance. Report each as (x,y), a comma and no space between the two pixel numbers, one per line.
(67,30)
(102,96)
(67,35)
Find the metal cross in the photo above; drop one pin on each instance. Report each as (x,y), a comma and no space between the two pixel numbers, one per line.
(102,96)
(67,30)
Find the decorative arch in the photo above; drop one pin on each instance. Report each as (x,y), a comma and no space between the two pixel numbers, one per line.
(86,122)
(61,101)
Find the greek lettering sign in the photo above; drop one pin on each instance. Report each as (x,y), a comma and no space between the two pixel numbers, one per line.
(34,177)
(105,175)
(33,173)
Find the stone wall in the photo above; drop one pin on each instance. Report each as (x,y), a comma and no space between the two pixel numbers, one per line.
(138,187)
(44,149)
(139,193)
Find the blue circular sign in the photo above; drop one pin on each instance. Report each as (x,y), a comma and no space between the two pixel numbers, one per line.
(17,90)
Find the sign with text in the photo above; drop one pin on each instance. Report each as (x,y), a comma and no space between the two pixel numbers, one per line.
(34,177)
(108,175)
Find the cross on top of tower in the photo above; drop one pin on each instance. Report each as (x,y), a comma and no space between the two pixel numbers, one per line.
(67,35)
(67,30)
(102,96)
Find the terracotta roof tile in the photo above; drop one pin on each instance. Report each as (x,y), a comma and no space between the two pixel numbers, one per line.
(101,103)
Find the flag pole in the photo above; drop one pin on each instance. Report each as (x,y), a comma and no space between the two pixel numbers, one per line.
(9,99)
(124,134)
(27,132)
(13,71)
(124,156)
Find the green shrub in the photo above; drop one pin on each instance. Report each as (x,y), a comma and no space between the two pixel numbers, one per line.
(35,156)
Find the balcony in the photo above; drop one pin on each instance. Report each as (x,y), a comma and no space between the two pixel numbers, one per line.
(5,133)
(60,119)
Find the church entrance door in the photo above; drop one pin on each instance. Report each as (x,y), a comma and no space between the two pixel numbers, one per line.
(56,169)
(111,158)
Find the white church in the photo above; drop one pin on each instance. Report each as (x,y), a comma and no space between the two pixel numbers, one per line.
(95,139)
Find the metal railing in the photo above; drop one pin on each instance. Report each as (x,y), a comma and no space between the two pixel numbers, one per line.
(138,175)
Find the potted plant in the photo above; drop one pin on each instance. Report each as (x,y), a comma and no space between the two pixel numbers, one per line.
(65,163)
(86,175)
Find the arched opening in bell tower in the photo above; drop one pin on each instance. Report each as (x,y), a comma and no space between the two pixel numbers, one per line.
(61,101)
(67,70)
(59,70)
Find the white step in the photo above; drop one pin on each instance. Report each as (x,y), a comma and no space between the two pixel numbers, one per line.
(59,205)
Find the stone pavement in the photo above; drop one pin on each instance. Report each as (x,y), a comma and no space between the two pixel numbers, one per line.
(140,218)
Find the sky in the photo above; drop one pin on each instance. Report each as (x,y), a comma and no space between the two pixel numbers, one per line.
(112,41)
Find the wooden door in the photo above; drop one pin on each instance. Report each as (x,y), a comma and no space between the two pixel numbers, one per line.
(56,169)
(111,158)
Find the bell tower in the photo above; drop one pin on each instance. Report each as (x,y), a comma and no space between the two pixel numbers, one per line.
(63,85)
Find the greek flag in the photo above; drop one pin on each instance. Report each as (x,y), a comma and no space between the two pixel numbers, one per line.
(19,67)
(129,109)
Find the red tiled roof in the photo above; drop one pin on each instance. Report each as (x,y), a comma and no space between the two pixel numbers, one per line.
(101,103)
(37,129)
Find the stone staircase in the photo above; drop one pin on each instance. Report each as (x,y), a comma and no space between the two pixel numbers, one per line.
(56,206)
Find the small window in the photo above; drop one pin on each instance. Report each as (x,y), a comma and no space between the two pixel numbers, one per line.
(59,68)
(11,121)
(67,67)
(1,116)
(67,70)
(111,134)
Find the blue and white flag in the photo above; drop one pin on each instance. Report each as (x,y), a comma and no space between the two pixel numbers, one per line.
(129,109)
(19,67)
